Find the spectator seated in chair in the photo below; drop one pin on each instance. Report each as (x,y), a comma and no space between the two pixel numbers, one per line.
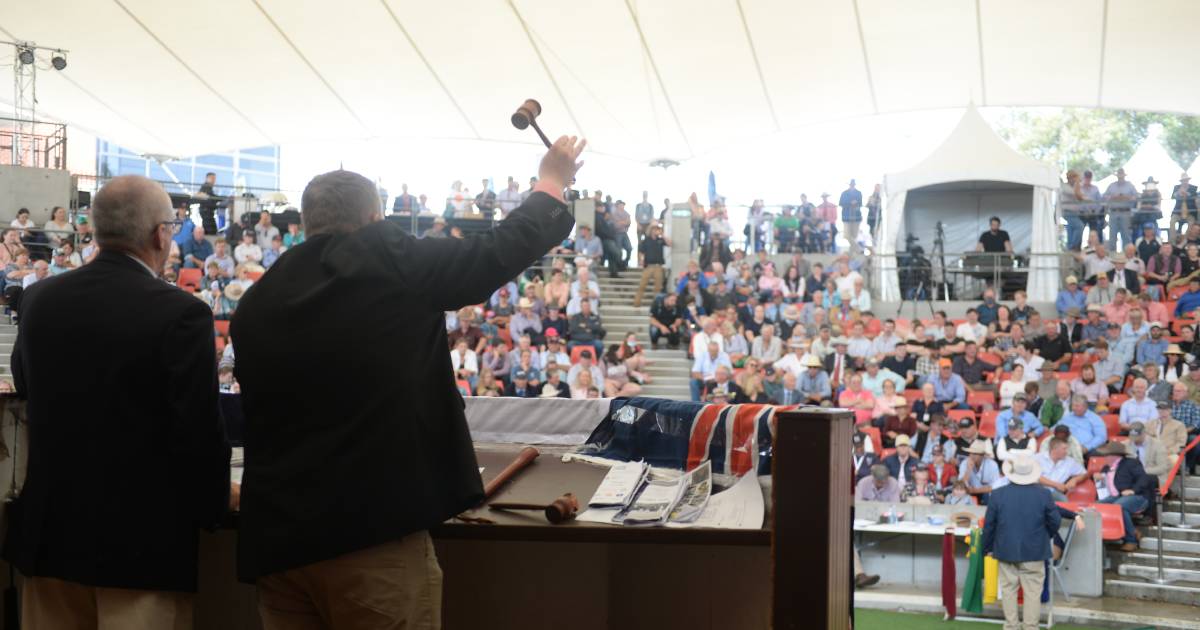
(879,486)
(1060,472)
(979,471)
(1126,484)
(1074,448)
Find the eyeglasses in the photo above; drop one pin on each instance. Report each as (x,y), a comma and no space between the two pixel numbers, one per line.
(173,224)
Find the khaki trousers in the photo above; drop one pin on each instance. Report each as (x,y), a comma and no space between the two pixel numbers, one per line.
(394,585)
(1029,576)
(851,230)
(651,271)
(53,604)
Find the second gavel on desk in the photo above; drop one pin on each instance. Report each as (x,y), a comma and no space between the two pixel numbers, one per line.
(563,508)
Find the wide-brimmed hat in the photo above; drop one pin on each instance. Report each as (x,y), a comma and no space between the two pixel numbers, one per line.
(548,391)
(1174,349)
(1022,469)
(234,292)
(524,303)
(978,447)
(840,341)
(812,361)
(1116,258)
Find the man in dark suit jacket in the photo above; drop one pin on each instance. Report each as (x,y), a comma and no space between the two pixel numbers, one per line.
(1135,489)
(520,387)
(863,461)
(1020,521)
(127,456)
(378,451)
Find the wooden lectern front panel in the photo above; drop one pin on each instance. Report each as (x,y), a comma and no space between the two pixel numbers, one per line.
(811,574)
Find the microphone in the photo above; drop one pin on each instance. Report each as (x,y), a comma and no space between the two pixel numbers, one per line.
(526,116)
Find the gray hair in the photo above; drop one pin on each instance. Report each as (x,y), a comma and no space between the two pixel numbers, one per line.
(127,211)
(1079,398)
(338,201)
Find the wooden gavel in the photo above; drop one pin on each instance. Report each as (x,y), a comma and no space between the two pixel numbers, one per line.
(563,508)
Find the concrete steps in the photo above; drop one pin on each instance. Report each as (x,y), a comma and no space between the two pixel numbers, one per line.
(669,369)
(1134,572)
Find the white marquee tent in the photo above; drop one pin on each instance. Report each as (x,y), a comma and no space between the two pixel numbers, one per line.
(972,176)
(642,79)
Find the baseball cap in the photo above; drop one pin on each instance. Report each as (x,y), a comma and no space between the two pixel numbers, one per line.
(966,422)
(1163,404)
(857,438)
(1019,396)
(1072,280)
(902,440)
(1015,423)
(551,334)
(945,363)
(1136,429)
(520,375)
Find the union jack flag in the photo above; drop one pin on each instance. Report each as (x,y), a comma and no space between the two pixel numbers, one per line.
(682,435)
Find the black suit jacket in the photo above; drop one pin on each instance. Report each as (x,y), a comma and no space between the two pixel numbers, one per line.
(1132,283)
(376,446)
(127,456)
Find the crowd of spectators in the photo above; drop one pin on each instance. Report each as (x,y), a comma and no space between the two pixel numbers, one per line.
(544,338)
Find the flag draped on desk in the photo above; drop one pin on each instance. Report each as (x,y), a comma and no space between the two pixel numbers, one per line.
(680,434)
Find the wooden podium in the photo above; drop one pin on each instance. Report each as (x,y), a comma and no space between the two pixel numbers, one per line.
(523,573)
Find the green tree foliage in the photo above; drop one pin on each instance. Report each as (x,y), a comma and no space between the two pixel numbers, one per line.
(1099,140)
(1181,138)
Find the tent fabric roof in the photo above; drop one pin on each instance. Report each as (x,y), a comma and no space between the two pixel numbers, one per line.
(973,152)
(642,79)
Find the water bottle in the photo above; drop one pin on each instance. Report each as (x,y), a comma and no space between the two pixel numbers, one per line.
(893,518)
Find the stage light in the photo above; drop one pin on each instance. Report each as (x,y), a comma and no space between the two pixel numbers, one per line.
(58,61)
(25,56)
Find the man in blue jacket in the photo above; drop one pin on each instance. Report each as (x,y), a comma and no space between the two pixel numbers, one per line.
(1021,518)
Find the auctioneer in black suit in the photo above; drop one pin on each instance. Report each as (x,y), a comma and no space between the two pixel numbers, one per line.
(127,456)
(355,432)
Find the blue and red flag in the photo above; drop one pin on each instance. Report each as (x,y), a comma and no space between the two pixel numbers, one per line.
(680,434)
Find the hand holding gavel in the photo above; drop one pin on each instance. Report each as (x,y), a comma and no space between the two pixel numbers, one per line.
(561,162)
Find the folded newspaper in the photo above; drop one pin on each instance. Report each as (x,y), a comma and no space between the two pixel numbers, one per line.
(665,495)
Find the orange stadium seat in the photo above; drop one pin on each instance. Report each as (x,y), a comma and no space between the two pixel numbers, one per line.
(221,326)
(190,278)
(911,395)
(254,275)
(1085,492)
(1112,422)
(987,423)
(958,414)
(876,438)
(979,400)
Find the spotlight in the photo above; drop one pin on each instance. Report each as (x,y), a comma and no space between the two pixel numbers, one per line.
(58,61)
(25,56)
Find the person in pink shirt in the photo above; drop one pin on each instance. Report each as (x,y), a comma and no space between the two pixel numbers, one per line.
(1117,311)
(769,282)
(859,399)
(1155,311)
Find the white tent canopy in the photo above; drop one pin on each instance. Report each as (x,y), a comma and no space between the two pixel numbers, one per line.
(642,79)
(973,153)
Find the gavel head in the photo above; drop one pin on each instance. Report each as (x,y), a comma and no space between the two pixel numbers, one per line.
(563,509)
(526,113)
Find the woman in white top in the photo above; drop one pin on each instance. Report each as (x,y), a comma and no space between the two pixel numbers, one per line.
(1015,384)
(583,383)
(464,362)
(22,222)
(58,227)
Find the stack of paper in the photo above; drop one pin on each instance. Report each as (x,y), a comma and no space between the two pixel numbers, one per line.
(620,485)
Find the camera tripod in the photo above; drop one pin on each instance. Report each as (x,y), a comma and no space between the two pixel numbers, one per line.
(913,297)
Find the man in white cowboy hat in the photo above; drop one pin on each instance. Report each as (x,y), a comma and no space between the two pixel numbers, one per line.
(438,230)
(1020,521)
(813,383)
(794,361)
(979,471)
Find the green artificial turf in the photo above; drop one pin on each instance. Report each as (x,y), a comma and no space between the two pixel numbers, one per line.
(884,620)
